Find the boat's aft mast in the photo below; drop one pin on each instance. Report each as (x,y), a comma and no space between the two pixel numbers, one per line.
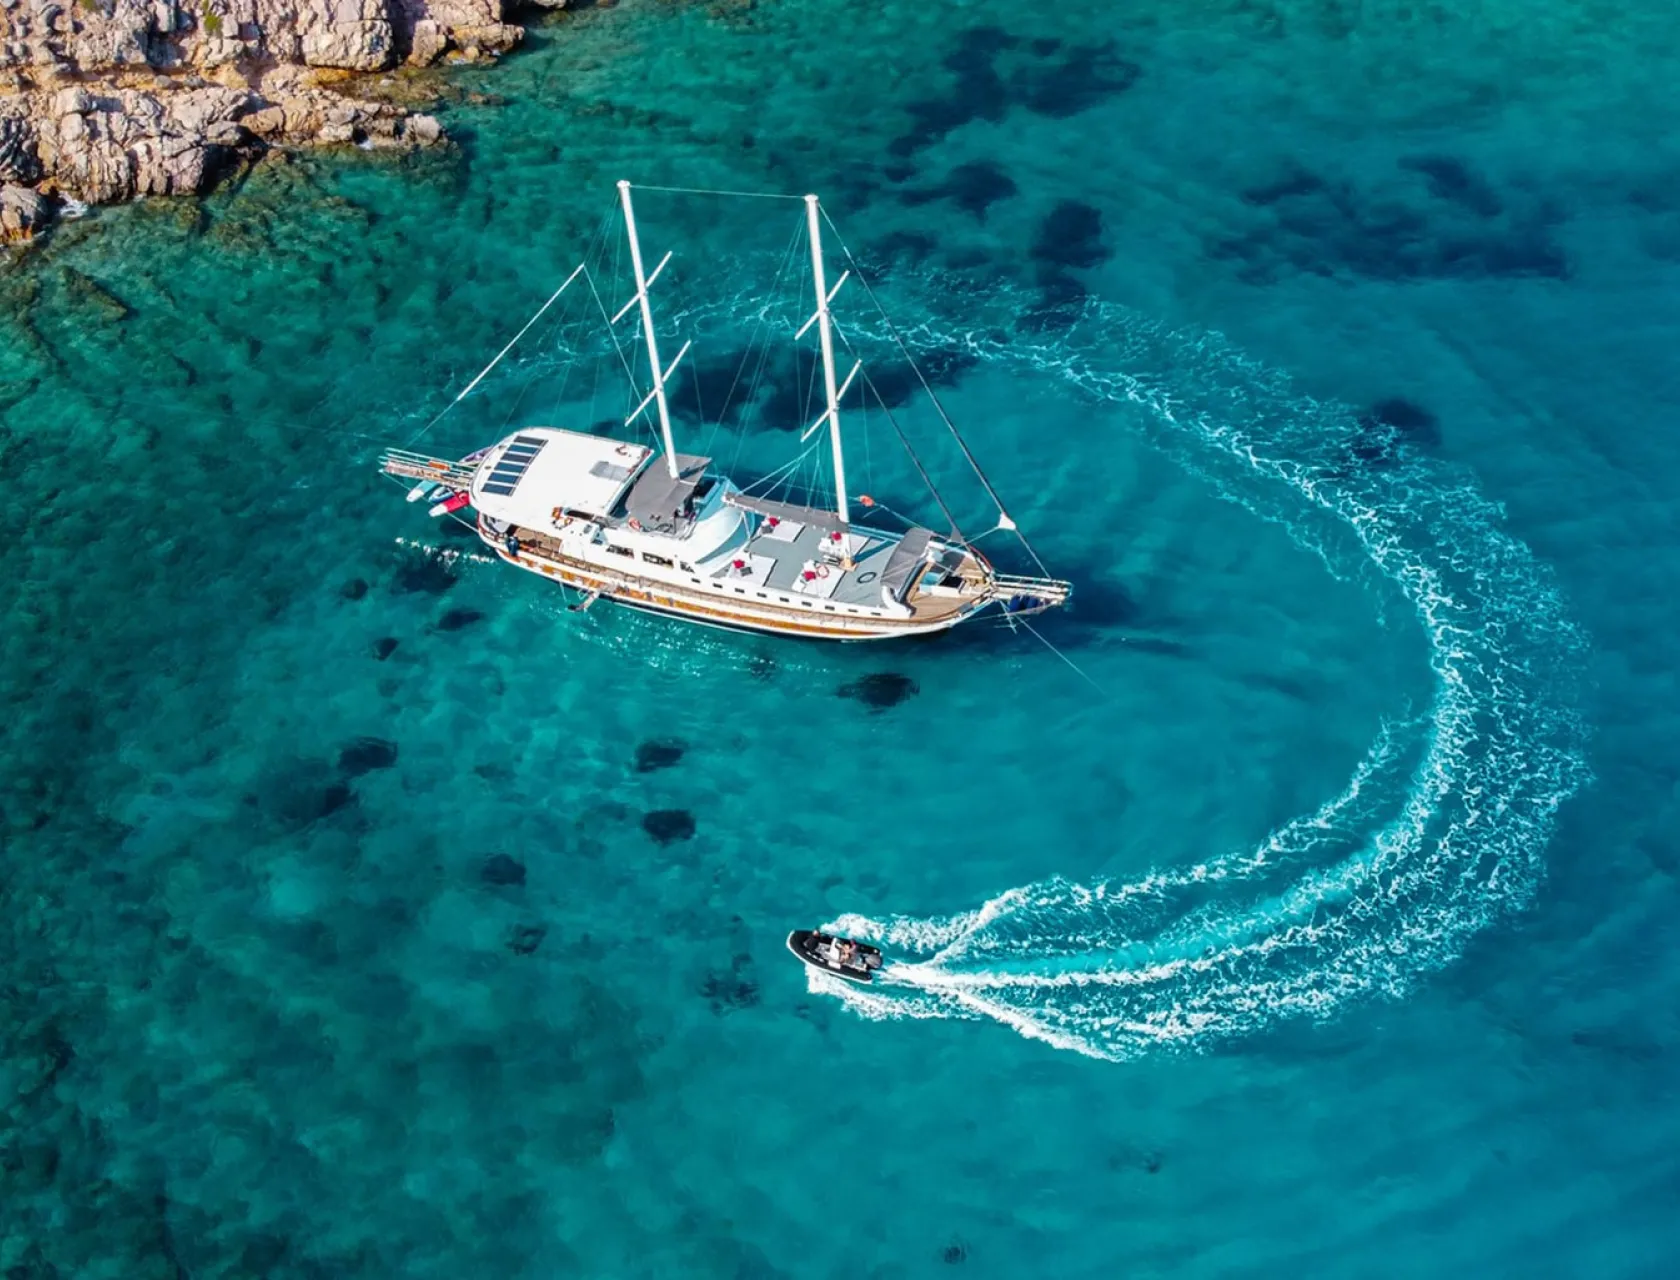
(813,218)
(653,343)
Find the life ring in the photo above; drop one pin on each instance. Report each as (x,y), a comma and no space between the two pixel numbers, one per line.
(635,524)
(868,575)
(624,450)
(822,571)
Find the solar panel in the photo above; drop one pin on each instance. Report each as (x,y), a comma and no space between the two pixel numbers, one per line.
(511,467)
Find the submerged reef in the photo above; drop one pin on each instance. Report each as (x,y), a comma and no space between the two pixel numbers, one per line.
(107,100)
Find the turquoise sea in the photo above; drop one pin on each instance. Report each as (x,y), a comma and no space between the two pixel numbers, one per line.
(368,914)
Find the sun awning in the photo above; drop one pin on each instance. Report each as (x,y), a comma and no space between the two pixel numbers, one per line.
(656,500)
(906,558)
(788,511)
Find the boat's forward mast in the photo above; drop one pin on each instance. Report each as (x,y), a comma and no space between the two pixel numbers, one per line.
(825,339)
(660,374)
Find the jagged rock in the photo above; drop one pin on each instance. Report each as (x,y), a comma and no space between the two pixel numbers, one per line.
(267,122)
(135,142)
(353,34)
(427,43)
(425,130)
(22,213)
(490,39)
(19,164)
(225,133)
(166,91)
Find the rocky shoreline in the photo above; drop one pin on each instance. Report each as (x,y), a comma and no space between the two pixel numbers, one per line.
(107,100)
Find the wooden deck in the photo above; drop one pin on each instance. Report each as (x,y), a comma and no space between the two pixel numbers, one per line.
(543,554)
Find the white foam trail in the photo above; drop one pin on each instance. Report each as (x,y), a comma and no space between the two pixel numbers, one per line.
(1387,880)
(1439,831)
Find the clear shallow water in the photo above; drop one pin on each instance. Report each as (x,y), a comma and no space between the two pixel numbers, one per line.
(266,1016)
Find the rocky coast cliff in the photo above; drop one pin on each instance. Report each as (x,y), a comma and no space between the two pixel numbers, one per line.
(106,100)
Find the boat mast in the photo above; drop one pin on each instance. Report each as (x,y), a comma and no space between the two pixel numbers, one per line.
(813,219)
(653,343)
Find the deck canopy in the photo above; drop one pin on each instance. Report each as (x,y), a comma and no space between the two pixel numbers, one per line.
(657,501)
(525,477)
(907,557)
(814,516)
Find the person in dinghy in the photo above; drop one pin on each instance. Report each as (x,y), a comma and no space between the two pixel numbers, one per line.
(854,961)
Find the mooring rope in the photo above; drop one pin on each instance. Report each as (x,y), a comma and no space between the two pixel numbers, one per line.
(1077,669)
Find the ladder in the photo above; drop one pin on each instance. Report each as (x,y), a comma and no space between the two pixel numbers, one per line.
(1029,595)
(418,466)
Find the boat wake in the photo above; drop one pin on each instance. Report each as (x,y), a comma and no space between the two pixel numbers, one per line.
(1439,832)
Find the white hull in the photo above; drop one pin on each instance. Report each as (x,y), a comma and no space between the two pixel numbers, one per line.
(683,602)
(666,533)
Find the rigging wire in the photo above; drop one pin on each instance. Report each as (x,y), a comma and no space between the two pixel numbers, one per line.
(624,360)
(580,269)
(706,191)
(892,332)
(909,449)
(485,372)
(755,342)
(760,335)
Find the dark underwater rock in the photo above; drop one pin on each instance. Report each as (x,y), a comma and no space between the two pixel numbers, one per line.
(1105,604)
(734,989)
(1082,78)
(523,939)
(941,367)
(501,870)
(318,803)
(384,647)
(978,92)
(364,755)
(1389,426)
(456,619)
(992,70)
(667,826)
(1060,302)
(657,754)
(304,792)
(973,188)
(1450,178)
(1071,236)
(355,589)
(333,798)
(423,574)
(1411,420)
(880,690)
(1456,227)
